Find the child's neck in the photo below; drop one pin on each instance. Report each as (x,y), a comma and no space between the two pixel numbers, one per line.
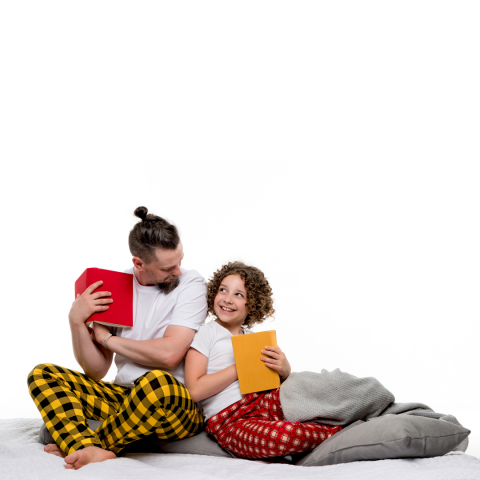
(233,329)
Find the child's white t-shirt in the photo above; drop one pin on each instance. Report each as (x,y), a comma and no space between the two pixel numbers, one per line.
(153,312)
(215,342)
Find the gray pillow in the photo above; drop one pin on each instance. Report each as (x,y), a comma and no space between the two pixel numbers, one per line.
(200,444)
(391,436)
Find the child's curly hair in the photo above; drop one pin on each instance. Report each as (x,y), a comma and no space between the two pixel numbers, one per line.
(259,293)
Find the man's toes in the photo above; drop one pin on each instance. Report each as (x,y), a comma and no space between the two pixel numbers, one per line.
(78,460)
(53,449)
(71,459)
(87,455)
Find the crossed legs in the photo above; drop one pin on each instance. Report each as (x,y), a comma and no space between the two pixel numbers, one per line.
(157,403)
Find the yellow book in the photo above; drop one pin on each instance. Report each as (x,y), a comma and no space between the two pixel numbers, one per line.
(253,375)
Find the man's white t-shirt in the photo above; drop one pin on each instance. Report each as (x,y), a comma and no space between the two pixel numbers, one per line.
(215,342)
(154,311)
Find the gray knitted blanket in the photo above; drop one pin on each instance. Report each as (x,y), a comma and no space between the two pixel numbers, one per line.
(339,398)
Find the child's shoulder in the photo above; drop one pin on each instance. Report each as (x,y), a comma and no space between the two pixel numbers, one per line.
(209,334)
(208,326)
(209,329)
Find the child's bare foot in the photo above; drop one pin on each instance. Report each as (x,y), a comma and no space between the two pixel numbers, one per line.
(54,449)
(87,455)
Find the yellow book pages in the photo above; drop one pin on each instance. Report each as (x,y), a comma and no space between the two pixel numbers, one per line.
(253,375)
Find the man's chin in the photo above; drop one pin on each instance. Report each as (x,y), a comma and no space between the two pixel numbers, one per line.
(170,286)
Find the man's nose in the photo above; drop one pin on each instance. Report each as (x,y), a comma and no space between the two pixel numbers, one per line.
(177,272)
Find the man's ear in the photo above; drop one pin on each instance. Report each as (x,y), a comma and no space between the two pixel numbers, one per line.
(138,263)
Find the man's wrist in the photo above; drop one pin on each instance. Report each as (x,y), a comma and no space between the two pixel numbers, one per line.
(107,338)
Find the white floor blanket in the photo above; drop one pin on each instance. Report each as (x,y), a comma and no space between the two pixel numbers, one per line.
(23,458)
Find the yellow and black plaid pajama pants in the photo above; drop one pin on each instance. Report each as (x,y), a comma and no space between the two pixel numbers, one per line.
(157,403)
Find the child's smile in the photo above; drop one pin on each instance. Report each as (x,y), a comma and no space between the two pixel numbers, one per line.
(226,309)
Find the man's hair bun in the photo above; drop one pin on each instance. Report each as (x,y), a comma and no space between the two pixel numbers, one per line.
(141,212)
(151,233)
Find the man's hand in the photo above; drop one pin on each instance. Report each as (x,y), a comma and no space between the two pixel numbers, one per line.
(276,360)
(89,302)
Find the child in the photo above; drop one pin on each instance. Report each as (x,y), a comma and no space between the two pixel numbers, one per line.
(253,425)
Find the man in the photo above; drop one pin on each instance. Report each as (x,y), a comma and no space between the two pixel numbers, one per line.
(147,395)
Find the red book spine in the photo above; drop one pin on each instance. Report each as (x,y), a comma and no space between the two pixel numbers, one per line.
(88,277)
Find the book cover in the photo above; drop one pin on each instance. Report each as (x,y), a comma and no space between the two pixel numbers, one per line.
(120,312)
(253,375)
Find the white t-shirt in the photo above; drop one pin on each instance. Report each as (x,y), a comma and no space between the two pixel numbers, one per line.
(153,311)
(215,342)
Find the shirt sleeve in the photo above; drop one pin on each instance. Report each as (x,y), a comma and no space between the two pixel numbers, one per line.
(191,307)
(202,341)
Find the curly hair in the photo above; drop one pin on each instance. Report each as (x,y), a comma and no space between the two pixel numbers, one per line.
(259,293)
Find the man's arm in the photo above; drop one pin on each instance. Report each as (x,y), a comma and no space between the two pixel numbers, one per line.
(94,359)
(165,352)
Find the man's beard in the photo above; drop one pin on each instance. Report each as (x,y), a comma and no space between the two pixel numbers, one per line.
(170,286)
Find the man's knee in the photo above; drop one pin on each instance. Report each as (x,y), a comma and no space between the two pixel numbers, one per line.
(163,378)
(156,379)
(157,382)
(39,370)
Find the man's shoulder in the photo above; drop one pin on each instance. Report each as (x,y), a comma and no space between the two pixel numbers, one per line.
(191,276)
(192,289)
(188,276)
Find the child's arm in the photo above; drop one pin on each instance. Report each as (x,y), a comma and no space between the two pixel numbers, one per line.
(277,360)
(199,384)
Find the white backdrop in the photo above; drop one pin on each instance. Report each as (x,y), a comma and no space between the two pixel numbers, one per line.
(334,145)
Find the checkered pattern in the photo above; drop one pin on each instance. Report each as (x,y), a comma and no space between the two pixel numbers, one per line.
(254,427)
(158,403)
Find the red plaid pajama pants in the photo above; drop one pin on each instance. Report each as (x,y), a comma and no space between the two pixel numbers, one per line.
(255,427)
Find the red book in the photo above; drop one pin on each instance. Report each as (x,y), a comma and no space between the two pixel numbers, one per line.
(120,312)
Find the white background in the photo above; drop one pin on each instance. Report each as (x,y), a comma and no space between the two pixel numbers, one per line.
(334,145)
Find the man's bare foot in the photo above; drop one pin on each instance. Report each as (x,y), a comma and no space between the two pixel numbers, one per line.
(87,455)
(54,449)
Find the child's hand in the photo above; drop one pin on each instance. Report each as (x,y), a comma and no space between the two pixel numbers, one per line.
(276,360)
